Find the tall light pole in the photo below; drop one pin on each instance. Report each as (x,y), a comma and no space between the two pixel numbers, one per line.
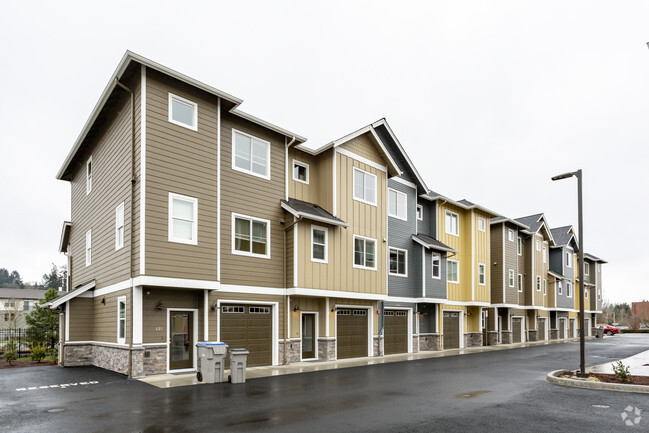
(582,281)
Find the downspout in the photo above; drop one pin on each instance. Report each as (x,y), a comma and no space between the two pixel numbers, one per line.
(286,297)
(130,264)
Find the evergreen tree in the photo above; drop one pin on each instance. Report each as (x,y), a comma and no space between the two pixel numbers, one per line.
(44,322)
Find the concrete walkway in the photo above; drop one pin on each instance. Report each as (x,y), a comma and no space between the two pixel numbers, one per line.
(638,365)
(186,379)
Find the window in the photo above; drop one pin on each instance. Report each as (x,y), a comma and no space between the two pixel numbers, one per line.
(559,287)
(519,247)
(586,268)
(397,204)
(568,259)
(452,223)
(436,269)
(538,245)
(510,235)
(300,171)
(183,219)
(10,303)
(364,186)
(511,278)
(538,283)
(251,236)
(319,244)
(569,289)
(250,154)
(482,279)
(121,320)
(545,287)
(364,252)
(398,262)
(183,112)
(586,292)
(88,247)
(89,176)
(482,224)
(599,294)
(420,212)
(232,309)
(259,310)
(119,226)
(545,251)
(453,271)
(520,282)
(598,268)
(28,305)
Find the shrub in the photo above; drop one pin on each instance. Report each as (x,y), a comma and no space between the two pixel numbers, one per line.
(622,371)
(54,355)
(10,354)
(38,352)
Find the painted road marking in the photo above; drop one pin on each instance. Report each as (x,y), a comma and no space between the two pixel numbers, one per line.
(62,385)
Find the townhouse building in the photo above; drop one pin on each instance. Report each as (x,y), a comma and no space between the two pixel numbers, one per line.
(563,269)
(16,304)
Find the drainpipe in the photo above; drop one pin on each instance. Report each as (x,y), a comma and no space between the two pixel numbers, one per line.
(130,344)
(286,297)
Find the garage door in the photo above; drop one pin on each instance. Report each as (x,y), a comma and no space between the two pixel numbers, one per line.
(542,335)
(396,331)
(249,327)
(573,328)
(516,330)
(351,332)
(451,328)
(562,328)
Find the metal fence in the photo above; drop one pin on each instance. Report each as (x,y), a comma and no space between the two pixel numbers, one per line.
(23,338)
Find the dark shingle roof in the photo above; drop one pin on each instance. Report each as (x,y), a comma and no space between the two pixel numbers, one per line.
(534,222)
(466,202)
(311,211)
(431,243)
(593,258)
(563,235)
(22,294)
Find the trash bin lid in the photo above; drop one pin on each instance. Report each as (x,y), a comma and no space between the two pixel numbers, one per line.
(239,351)
(211,343)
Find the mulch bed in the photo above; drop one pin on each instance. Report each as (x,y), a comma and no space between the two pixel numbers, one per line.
(22,364)
(613,378)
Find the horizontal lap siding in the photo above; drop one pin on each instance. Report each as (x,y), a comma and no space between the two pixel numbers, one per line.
(181,161)
(81,313)
(400,236)
(511,259)
(155,321)
(498,238)
(563,301)
(105,317)
(325,179)
(435,287)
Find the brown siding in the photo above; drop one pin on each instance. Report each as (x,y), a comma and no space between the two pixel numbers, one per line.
(105,317)
(511,258)
(155,321)
(81,313)
(497,278)
(290,259)
(325,180)
(300,190)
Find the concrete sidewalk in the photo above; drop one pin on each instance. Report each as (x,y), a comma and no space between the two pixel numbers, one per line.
(638,365)
(186,379)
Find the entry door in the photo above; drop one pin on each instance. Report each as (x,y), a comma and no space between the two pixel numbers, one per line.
(451,328)
(517,327)
(182,336)
(542,335)
(308,336)
(500,329)
(562,328)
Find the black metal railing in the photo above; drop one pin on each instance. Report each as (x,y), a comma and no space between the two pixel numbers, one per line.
(21,339)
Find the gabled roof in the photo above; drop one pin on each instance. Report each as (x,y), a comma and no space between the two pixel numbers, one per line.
(536,222)
(311,211)
(431,243)
(504,219)
(563,236)
(555,274)
(70,295)
(22,294)
(593,258)
(464,204)
(65,237)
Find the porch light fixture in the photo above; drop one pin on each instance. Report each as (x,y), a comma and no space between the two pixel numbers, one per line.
(103,301)
(334,309)
(160,305)
(213,306)
(296,308)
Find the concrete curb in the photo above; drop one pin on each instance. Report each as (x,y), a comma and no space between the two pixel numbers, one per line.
(553,378)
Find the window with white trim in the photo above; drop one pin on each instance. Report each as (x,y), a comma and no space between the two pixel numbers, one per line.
(183,219)
(482,224)
(559,287)
(28,305)
(599,294)
(300,171)
(520,282)
(586,293)
(88,247)
(364,252)
(538,283)
(482,274)
(569,289)
(89,175)
(545,252)
(420,212)
(538,245)
(452,223)
(364,186)
(250,154)
(319,244)
(250,236)
(437,266)
(599,269)
(398,262)
(119,226)
(183,112)
(511,236)
(568,259)
(511,278)
(519,247)
(545,287)
(397,204)
(453,271)
(586,268)
(121,320)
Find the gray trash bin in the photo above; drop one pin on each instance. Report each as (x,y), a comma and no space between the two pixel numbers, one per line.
(238,362)
(600,333)
(211,361)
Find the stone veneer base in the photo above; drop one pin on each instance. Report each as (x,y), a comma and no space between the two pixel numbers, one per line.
(429,342)
(472,339)
(532,335)
(326,348)
(493,338)
(293,350)
(506,337)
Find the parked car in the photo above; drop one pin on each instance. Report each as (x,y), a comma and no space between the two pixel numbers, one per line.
(608,329)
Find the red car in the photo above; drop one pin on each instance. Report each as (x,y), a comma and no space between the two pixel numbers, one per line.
(608,329)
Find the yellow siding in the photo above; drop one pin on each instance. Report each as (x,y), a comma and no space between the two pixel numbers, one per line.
(365,147)
(482,255)
(462,244)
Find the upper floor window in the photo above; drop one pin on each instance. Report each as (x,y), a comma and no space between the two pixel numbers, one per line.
(569,289)
(482,224)
(121,320)
(250,154)
(520,282)
(183,219)
(452,223)
(453,271)
(397,204)
(538,245)
(519,247)
(559,287)
(511,236)
(545,253)
(89,175)
(28,305)
(119,226)
(183,112)
(586,268)
(482,277)
(538,283)
(511,278)
(9,303)
(250,236)
(436,269)
(364,252)
(568,259)
(364,186)
(586,292)
(88,247)
(599,268)
(545,287)
(420,212)
(398,262)
(318,244)
(300,171)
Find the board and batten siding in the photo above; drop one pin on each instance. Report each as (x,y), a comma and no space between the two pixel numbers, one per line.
(498,266)
(482,254)
(461,244)
(400,236)
(563,301)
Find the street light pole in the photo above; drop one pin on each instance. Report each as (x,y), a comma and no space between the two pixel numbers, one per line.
(582,281)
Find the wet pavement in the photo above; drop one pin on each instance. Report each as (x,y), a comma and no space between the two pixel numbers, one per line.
(491,391)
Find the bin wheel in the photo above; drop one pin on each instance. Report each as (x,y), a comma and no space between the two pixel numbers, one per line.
(199,376)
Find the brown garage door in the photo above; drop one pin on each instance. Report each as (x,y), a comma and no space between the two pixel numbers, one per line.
(451,329)
(572,329)
(516,330)
(542,335)
(249,327)
(351,332)
(562,328)
(396,331)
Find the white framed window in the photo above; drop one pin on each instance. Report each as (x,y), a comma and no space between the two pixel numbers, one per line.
(545,287)
(586,268)
(511,236)
(453,271)
(559,287)
(482,274)
(250,236)
(89,175)
(520,282)
(437,266)
(586,293)
(519,247)
(538,245)
(121,320)
(420,212)
(511,278)
(398,262)
(300,171)
(545,252)
(568,259)
(250,154)
(538,283)
(183,112)
(28,305)
(364,252)
(598,267)
(482,224)
(599,294)
(569,289)
(183,219)
(364,186)
(119,226)
(397,204)
(319,244)
(88,247)
(452,223)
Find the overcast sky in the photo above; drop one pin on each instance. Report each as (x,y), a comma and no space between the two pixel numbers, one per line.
(489,98)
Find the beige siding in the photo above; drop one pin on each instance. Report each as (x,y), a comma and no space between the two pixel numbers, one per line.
(325,180)
(290,256)
(461,244)
(308,305)
(523,269)
(511,258)
(499,270)
(303,191)
(360,147)
(105,317)
(81,312)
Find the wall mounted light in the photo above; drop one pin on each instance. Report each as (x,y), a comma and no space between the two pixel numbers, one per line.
(160,305)
(213,306)
(296,308)
(334,309)
(103,301)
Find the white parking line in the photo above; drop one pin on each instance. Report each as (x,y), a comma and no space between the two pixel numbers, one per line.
(62,386)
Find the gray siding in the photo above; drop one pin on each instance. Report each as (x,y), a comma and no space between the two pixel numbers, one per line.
(563,301)
(556,264)
(435,288)
(428,224)
(400,236)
